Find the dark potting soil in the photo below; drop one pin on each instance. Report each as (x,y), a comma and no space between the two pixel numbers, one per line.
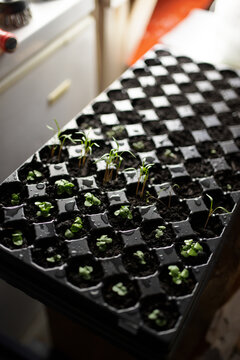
(183,59)
(6,236)
(141,144)
(166,157)
(154,128)
(178,100)
(198,168)
(130,161)
(167,113)
(203,109)
(142,104)
(168,309)
(212,96)
(50,154)
(115,184)
(230,118)
(205,66)
(6,191)
(165,79)
(153,62)
(153,91)
(147,198)
(211,230)
(88,121)
(228,181)
(103,107)
(112,249)
(128,117)
(73,275)
(148,231)
(120,301)
(141,72)
(140,267)
(103,148)
(48,249)
(234,161)
(130,83)
(220,84)
(175,211)
(173,69)
(117,95)
(181,138)
(234,104)
(192,123)
(52,189)
(188,88)
(187,189)
(74,170)
(197,76)
(24,170)
(62,226)
(159,174)
(209,149)
(220,133)
(111,132)
(186,287)
(119,223)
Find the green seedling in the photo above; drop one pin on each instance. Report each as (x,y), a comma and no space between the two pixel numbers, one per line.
(229,187)
(87,145)
(178,277)
(64,187)
(75,228)
(54,259)
(191,248)
(103,242)
(120,289)
(168,153)
(158,317)
(213,151)
(213,210)
(124,212)
(138,145)
(61,137)
(143,176)
(113,160)
(44,208)
(171,193)
(15,199)
(85,272)
(140,256)
(17,238)
(116,131)
(159,232)
(33,175)
(91,200)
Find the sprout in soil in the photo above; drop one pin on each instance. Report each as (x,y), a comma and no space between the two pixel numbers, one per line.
(17,238)
(120,289)
(113,160)
(87,146)
(54,259)
(124,212)
(140,257)
(138,145)
(159,231)
(213,151)
(116,131)
(33,175)
(44,208)
(103,241)
(61,137)
(91,200)
(85,272)
(143,176)
(158,317)
(178,277)
(76,226)
(15,199)
(191,248)
(171,193)
(64,186)
(168,153)
(229,187)
(211,210)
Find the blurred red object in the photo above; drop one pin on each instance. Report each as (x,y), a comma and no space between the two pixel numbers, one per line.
(8,41)
(167,14)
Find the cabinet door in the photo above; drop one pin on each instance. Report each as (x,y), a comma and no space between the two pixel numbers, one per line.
(56,84)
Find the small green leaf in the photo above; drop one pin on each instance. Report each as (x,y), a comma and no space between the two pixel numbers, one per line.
(15,199)
(124,212)
(103,241)
(54,259)
(141,257)
(17,238)
(178,276)
(91,200)
(64,186)
(44,208)
(159,231)
(68,234)
(85,272)
(33,174)
(120,289)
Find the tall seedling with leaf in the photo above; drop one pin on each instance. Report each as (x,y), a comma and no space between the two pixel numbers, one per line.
(87,145)
(213,210)
(61,137)
(143,176)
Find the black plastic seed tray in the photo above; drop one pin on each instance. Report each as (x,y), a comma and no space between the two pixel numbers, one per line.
(180,116)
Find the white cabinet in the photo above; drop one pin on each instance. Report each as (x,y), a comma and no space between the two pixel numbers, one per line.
(55,83)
